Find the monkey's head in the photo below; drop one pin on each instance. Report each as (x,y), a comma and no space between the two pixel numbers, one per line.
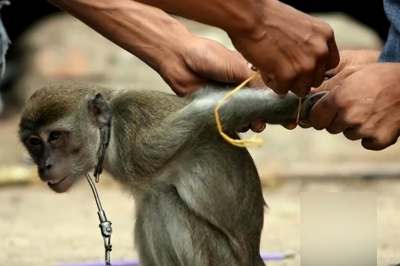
(59,128)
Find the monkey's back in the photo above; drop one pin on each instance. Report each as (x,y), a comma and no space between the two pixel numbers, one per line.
(207,207)
(203,204)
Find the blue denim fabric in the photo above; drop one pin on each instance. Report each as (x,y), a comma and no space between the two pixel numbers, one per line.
(391,50)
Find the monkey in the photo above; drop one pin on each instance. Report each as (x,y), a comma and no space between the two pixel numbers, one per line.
(198,198)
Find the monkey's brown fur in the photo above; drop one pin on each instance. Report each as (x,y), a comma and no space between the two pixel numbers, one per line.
(199,198)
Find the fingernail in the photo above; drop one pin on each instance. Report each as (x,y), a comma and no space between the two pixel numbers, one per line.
(249,65)
(261,128)
(290,126)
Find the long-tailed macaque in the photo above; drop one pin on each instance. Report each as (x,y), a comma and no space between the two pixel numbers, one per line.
(199,198)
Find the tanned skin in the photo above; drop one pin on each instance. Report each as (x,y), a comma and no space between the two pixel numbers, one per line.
(291,49)
(199,198)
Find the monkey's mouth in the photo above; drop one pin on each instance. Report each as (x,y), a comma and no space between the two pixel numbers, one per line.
(55,182)
(60,185)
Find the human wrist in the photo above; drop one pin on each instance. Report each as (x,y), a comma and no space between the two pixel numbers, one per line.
(247,19)
(166,45)
(253,29)
(230,16)
(154,37)
(373,55)
(359,57)
(250,26)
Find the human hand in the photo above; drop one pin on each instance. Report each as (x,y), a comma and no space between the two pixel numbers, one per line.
(205,62)
(364,105)
(199,62)
(292,50)
(349,61)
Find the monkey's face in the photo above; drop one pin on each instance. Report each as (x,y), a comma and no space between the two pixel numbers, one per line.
(60,129)
(61,154)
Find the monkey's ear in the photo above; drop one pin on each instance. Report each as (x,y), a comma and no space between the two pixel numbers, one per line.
(99,110)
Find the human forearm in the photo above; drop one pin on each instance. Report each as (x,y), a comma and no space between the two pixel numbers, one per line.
(147,32)
(233,16)
(292,50)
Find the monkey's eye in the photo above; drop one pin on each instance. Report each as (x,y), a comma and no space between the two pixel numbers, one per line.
(35,141)
(54,135)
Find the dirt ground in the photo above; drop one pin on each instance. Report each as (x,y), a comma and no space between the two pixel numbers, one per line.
(41,228)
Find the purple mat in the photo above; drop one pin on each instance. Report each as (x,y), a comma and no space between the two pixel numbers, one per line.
(265,257)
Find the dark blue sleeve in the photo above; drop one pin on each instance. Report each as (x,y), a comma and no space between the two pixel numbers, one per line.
(391,49)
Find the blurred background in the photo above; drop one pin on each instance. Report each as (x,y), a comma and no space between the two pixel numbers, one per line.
(38,227)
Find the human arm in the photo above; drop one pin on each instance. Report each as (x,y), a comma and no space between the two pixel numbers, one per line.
(185,61)
(291,49)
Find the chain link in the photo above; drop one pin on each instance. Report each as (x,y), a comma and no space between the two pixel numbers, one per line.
(105,225)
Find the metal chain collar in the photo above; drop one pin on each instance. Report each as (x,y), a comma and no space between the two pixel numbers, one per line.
(105,225)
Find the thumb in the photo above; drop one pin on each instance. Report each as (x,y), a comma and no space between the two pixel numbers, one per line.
(335,81)
(236,69)
(327,85)
(219,64)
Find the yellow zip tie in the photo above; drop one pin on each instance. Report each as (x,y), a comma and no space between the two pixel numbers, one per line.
(254,142)
(298,112)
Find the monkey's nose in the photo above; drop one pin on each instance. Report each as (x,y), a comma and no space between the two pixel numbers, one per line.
(46,167)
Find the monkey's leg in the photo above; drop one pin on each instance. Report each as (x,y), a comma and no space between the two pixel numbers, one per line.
(221,185)
(168,233)
(246,106)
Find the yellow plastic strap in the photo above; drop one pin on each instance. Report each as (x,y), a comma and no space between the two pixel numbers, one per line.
(298,112)
(254,142)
